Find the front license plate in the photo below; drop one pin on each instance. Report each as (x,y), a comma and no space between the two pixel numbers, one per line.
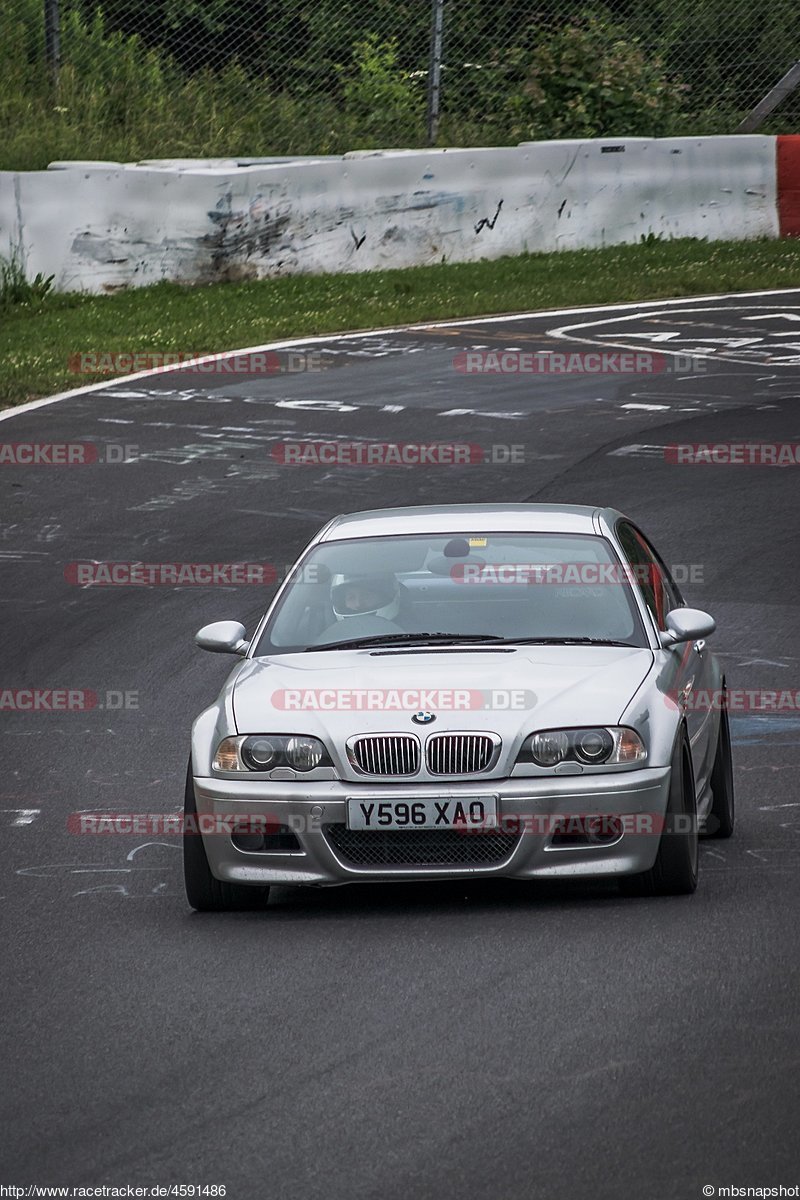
(433,812)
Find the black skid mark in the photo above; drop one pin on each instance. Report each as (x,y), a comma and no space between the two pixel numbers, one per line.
(486,223)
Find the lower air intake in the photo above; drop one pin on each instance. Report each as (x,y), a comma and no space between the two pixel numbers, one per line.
(420,847)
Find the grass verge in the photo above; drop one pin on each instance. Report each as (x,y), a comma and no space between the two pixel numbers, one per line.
(40,333)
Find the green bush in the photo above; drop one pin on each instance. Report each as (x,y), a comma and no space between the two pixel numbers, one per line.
(586,81)
(118,99)
(380,99)
(204,78)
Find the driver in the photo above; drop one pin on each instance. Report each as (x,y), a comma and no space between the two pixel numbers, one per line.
(366,596)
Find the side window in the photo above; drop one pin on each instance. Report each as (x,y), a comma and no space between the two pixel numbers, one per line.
(659,590)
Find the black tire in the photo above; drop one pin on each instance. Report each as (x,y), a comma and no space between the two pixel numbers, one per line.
(203,891)
(674,873)
(721,816)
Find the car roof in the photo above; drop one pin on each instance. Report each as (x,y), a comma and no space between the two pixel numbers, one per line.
(467,518)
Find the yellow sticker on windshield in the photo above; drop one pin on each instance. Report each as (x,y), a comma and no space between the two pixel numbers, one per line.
(476,541)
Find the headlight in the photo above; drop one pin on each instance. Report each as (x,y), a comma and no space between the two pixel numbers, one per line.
(260,753)
(613,745)
(593,745)
(304,753)
(547,749)
(265,751)
(227,756)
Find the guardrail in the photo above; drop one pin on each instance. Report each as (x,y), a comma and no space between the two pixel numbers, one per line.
(98,227)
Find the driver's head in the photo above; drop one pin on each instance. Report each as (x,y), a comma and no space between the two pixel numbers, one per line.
(366,595)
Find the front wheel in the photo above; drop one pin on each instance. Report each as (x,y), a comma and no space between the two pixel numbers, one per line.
(674,873)
(203,891)
(720,819)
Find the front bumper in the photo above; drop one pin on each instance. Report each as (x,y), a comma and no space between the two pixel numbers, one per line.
(307,808)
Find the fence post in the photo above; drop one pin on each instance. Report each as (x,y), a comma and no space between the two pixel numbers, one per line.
(783,88)
(435,70)
(52,40)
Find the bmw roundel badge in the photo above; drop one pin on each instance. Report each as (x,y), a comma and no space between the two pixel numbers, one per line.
(423,718)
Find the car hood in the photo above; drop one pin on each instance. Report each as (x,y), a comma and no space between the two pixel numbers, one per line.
(338,693)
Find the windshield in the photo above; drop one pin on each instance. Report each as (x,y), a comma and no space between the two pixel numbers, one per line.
(509,586)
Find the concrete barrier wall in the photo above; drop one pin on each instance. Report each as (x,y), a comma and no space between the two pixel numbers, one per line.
(99,226)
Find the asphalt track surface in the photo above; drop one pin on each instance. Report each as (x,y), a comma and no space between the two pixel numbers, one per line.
(468,1039)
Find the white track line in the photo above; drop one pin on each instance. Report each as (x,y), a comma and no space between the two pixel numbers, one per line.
(8,414)
(573,333)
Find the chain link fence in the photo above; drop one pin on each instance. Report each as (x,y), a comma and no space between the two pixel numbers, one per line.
(128,79)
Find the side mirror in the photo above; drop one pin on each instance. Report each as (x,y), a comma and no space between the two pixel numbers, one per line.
(687,625)
(223,637)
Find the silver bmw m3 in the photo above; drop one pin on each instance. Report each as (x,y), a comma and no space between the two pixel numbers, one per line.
(462,690)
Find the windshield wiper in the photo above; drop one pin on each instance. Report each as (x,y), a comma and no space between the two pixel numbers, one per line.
(389,639)
(455,639)
(564,641)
